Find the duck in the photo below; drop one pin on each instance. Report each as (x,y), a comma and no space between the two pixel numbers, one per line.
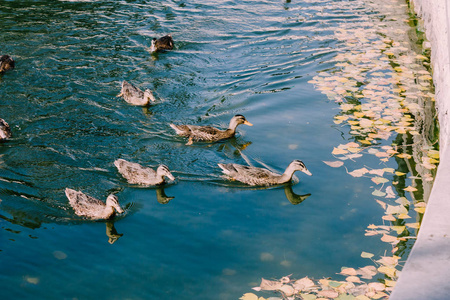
(5,130)
(136,96)
(259,176)
(6,63)
(208,133)
(162,44)
(134,173)
(87,206)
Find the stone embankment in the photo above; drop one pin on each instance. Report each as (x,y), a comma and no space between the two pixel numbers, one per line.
(427,270)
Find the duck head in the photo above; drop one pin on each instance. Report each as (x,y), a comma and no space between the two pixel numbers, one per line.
(113,201)
(298,165)
(237,120)
(148,95)
(163,170)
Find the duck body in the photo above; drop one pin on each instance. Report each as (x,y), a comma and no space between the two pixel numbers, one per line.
(162,44)
(259,176)
(5,130)
(136,96)
(6,63)
(208,133)
(87,206)
(134,173)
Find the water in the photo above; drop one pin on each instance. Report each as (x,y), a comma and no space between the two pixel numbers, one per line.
(214,239)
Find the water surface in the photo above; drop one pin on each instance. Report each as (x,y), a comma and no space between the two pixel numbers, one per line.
(214,239)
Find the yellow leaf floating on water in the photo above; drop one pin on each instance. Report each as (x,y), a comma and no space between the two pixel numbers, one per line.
(403,216)
(410,189)
(433,154)
(398,229)
(389,271)
(399,173)
(337,151)
(413,225)
(420,210)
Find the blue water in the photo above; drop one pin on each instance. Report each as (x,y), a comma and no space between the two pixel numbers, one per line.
(214,239)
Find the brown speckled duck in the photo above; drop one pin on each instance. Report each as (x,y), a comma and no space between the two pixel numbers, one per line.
(162,44)
(6,63)
(136,174)
(260,176)
(5,130)
(208,133)
(87,206)
(136,96)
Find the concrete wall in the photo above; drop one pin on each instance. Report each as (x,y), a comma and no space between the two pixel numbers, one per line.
(426,274)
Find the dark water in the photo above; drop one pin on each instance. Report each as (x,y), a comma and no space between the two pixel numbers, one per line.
(214,240)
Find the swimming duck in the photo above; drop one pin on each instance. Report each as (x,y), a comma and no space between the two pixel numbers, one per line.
(136,96)
(161,44)
(208,133)
(5,130)
(136,174)
(92,208)
(6,63)
(260,176)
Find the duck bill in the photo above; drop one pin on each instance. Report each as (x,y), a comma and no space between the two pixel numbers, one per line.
(248,123)
(119,209)
(307,172)
(171,177)
(120,94)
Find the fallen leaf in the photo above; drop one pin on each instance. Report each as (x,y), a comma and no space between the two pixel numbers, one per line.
(270,285)
(378,172)
(378,193)
(308,296)
(390,192)
(367,272)
(410,189)
(249,296)
(379,180)
(403,216)
(353,279)
(398,229)
(328,293)
(389,271)
(389,218)
(348,271)
(413,225)
(366,255)
(334,164)
(287,289)
(377,286)
(388,238)
(420,210)
(402,201)
(359,172)
(303,284)
(337,151)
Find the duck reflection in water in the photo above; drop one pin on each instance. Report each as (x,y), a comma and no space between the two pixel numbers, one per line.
(112,233)
(293,197)
(161,196)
